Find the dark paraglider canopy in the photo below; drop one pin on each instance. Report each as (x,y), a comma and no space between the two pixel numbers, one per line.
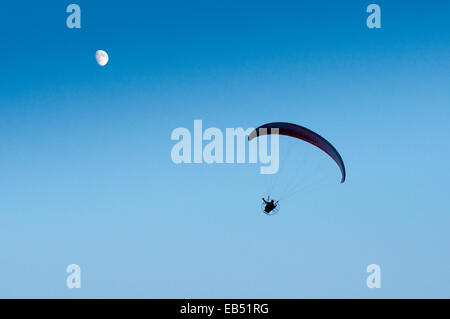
(300,132)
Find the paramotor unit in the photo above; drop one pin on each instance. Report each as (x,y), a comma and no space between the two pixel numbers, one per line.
(270,206)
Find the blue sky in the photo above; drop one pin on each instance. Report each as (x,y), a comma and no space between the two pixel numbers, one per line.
(86,174)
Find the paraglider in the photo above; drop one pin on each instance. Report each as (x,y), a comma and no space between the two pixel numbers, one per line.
(270,206)
(301,133)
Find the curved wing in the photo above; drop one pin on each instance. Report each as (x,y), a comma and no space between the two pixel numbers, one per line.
(300,132)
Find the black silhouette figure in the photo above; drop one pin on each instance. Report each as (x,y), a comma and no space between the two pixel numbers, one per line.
(270,205)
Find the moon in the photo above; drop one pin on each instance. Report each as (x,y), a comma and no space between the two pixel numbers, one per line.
(101,57)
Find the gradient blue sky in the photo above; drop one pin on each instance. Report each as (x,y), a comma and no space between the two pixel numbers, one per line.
(85,169)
